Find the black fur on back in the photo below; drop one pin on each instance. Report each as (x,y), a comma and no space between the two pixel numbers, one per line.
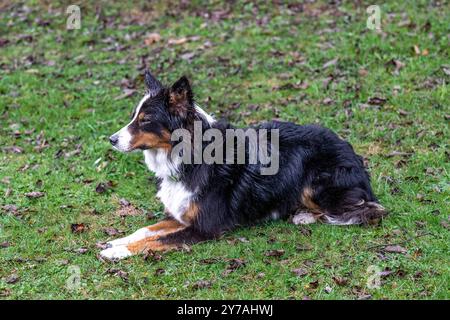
(311,156)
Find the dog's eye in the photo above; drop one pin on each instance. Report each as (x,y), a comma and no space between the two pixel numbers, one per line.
(145,120)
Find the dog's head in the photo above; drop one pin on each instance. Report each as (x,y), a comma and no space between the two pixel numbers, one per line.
(161,111)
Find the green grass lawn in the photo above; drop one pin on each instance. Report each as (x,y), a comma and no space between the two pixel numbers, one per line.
(63,92)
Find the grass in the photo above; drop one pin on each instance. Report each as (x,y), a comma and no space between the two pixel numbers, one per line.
(251,62)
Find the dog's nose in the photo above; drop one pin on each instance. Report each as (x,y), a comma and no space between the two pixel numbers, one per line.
(113,139)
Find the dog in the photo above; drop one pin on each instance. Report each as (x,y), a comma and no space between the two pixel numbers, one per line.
(319,177)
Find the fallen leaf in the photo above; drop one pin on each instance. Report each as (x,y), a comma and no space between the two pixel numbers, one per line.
(300,272)
(110,231)
(177,41)
(4,244)
(152,256)
(127,210)
(274,253)
(330,63)
(13,278)
(13,149)
(152,38)
(234,264)
(377,101)
(34,194)
(102,187)
(313,284)
(340,281)
(78,227)
(102,245)
(202,284)
(160,271)
(188,56)
(395,249)
(398,153)
(10,208)
(81,250)
(118,273)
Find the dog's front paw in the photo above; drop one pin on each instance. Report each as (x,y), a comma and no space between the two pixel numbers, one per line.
(115,253)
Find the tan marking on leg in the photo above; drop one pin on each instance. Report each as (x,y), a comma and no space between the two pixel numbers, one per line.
(191,213)
(307,201)
(165,224)
(152,243)
(145,245)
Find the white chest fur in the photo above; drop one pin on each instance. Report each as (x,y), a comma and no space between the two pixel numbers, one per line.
(175,197)
(173,194)
(158,161)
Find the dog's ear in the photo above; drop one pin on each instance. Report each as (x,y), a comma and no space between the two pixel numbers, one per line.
(153,85)
(180,97)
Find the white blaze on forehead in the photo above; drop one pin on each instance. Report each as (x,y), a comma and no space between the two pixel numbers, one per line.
(124,136)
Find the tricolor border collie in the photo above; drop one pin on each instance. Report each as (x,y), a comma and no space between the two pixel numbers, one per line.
(319,177)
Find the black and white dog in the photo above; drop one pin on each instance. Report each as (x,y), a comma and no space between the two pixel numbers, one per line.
(319,176)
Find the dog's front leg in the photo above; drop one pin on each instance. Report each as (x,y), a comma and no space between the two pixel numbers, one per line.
(143,240)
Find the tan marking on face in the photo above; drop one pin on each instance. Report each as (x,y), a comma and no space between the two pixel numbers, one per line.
(151,140)
(306,199)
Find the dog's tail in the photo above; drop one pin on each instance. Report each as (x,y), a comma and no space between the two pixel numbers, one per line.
(364,213)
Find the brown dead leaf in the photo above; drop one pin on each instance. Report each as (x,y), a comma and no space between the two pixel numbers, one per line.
(160,271)
(274,253)
(340,281)
(177,41)
(395,249)
(202,284)
(78,227)
(4,244)
(152,256)
(152,38)
(313,284)
(233,265)
(127,210)
(300,272)
(378,101)
(110,231)
(34,194)
(81,250)
(102,187)
(13,149)
(118,273)
(330,63)
(13,278)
